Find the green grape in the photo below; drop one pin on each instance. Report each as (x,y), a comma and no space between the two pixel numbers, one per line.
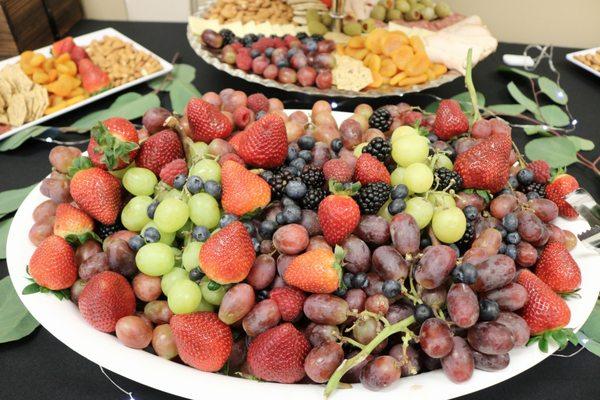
(449,224)
(441,200)
(403,5)
(204,210)
(410,149)
(443,161)
(189,258)
(358,149)
(135,213)
(212,292)
(205,306)
(418,178)
(207,169)
(171,277)
(198,150)
(404,130)
(171,214)
(420,209)
(155,259)
(139,181)
(383,211)
(165,237)
(185,297)
(397,176)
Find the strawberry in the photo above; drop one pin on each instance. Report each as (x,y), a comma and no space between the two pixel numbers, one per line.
(98,193)
(289,301)
(556,191)
(316,271)
(258,101)
(78,53)
(541,171)
(338,170)
(557,268)
(159,150)
(113,143)
(338,216)
(486,165)
(243,191)
(264,143)
(202,340)
(369,169)
(105,299)
(71,222)
(235,141)
(277,355)
(227,256)
(450,120)
(169,171)
(64,45)
(52,264)
(206,121)
(93,78)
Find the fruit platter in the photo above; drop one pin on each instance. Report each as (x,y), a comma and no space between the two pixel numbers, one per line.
(38,85)
(362,50)
(245,248)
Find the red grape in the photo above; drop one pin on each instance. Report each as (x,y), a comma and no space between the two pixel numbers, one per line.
(86,250)
(326,309)
(163,342)
(435,266)
(435,338)
(93,265)
(133,332)
(291,239)
(262,316)
(434,298)
(61,157)
(318,242)
(307,76)
(544,209)
(490,362)
(463,306)
(356,299)
(351,133)
(495,272)
(310,221)
(405,234)
(481,129)
(470,199)
(319,334)
(410,363)
(490,338)
(527,255)
(76,290)
(399,311)
(517,325)
(365,329)
(286,75)
(44,211)
(489,240)
(321,362)
(40,231)
(262,272)
(324,79)
(511,297)
(530,226)
(154,119)
(380,373)
(459,364)
(146,287)
(502,205)
(378,304)
(158,312)
(237,303)
(358,255)
(389,264)
(121,258)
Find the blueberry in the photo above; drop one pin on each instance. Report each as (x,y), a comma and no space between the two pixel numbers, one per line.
(226,219)
(292,214)
(213,188)
(336,145)
(464,273)
(399,192)
(533,195)
(269,51)
(425,242)
(296,189)
(292,51)
(432,137)
(502,248)
(488,310)
(511,251)
(471,212)
(340,291)
(311,45)
(280,219)
(200,233)
(347,279)
(391,288)
(151,234)
(266,175)
(306,155)
(267,228)
(250,228)
(298,163)
(286,201)
(282,63)
(306,142)
(136,242)
(510,222)
(502,231)
(152,209)
(254,53)
(292,153)
(196,274)
(179,181)
(360,281)
(504,191)
(293,170)
(256,245)
(194,184)
(396,206)
(525,176)
(262,294)
(423,312)
(513,238)
(513,182)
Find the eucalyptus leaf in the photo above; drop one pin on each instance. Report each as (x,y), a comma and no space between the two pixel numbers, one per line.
(591,345)
(15,320)
(181,72)
(536,129)
(10,200)
(518,71)
(554,115)
(591,328)
(432,107)
(130,108)
(507,109)
(557,151)
(21,137)
(520,98)
(180,94)
(552,90)
(465,100)
(581,143)
(4,227)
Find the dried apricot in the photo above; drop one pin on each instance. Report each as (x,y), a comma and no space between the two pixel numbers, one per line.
(359,54)
(375,63)
(388,68)
(417,43)
(37,60)
(356,42)
(64,57)
(373,40)
(392,42)
(413,80)
(439,69)
(377,80)
(418,64)
(397,78)
(40,77)
(402,56)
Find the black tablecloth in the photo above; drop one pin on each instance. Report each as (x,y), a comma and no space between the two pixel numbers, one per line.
(41,367)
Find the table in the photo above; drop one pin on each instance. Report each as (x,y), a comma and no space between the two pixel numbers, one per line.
(40,366)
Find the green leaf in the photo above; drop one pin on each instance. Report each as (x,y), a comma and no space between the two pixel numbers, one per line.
(543,344)
(560,337)
(556,151)
(19,138)
(432,107)
(552,90)
(183,73)
(554,115)
(465,101)
(518,71)
(591,328)
(10,200)
(212,285)
(31,288)
(15,320)
(507,109)
(590,344)
(581,143)
(535,129)
(4,227)
(180,94)
(520,98)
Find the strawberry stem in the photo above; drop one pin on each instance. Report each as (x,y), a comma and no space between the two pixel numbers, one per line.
(470,86)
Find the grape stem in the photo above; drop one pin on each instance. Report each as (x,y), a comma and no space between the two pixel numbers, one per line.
(470,86)
(334,381)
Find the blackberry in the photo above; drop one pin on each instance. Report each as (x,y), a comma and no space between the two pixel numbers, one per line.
(228,36)
(381,119)
(444,178)
(105,231)
(279,181)
(379,148)
(467,238)
(317,37)
(313,176)
(371,197)
(538,188)
(301,35)
(313,198)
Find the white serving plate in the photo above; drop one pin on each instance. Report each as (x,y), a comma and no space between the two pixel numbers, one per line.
(571,58)
(63,320)
(83,41)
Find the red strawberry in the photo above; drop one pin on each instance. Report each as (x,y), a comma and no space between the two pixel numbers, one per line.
(159,150)
(98,193)
(557,268)
(206,121)
(169,171)
(78,53)
(450,120)
(243,191)
(93,78)
(52,264)
(338,215)
(541,171)
(544,309)
(556,191)
(258,102)
(277,355)
(486,165)
(289,301)
(338,170)
(235,141)
(370,170)
(227,256)
(202,340)
(105,299)
(70,220)
(264,143)
(113,143)
(316,271)
(62,46)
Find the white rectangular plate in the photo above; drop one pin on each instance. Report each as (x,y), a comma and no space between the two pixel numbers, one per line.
(571,58)
(83,41)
